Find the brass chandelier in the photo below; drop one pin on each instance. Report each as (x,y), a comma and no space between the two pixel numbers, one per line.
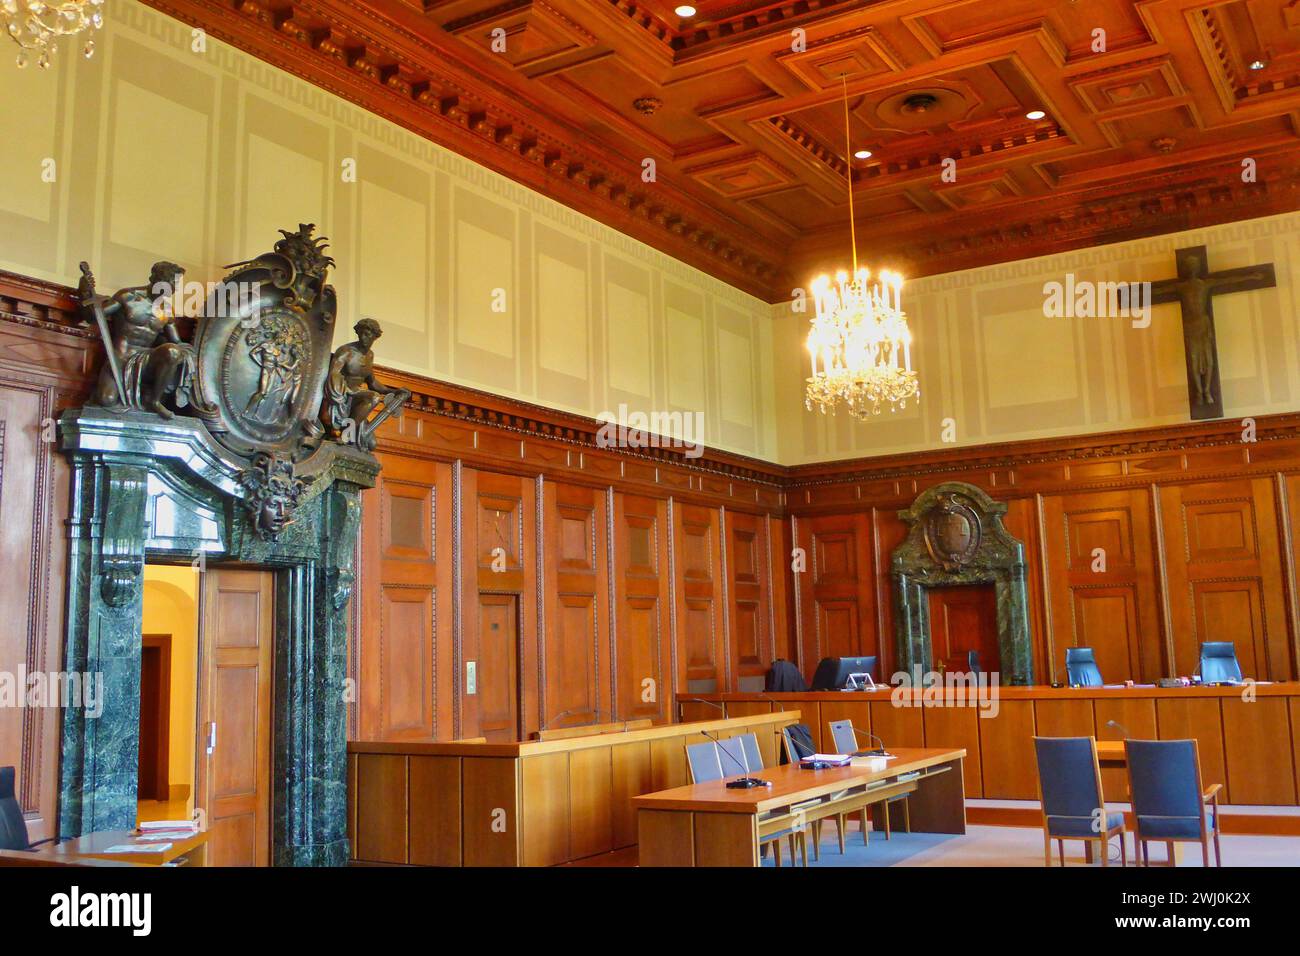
(860,343)
(35,25)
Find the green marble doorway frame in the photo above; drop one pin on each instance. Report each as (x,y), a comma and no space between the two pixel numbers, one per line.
(955,537)
(145,488)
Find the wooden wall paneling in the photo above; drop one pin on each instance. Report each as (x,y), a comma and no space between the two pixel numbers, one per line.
(888,532)
(545,819)
(499,593)
(1021,521)
(1295,742)
(591,796)
(1009,766)
(898,726)
(631,774)
(1225,574)
(404,657)
(40,372)
(837,594)
(858,711)
(1064,718)
(352,806)
(490,812)
(750,623)
(381,808)
(575,614)
(1289,489)
(782,590)
(958,727)
(697,603)
(1201,720)
(433,793)
(1102,587)
(1259,751)
(643,681)
(1136,718)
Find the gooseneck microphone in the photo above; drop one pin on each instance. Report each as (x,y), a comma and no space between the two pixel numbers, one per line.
(744,782)
(878,752)
(1118,726)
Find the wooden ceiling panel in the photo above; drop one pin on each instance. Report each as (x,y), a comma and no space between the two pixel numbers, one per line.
(740,107)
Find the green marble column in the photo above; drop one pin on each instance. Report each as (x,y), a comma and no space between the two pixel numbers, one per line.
(144,487)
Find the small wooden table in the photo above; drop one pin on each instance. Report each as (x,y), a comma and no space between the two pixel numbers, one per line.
(1110,753)
(94,846)
(707,824)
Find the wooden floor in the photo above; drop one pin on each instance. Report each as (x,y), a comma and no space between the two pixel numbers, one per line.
(162,810)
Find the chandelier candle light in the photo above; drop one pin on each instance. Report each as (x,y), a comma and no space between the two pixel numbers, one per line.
(35,25)
(860,344)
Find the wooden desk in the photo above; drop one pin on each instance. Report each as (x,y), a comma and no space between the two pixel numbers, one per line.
(708,825)
(92,849)
(527,803)
(1110,753)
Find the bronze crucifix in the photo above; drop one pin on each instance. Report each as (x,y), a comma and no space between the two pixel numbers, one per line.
(1194,290)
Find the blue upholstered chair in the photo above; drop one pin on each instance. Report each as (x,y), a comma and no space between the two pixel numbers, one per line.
(1169,798)
(707,762)
(845,740)
(1081,668)
(1069,788)
(704,762)
(1219,662)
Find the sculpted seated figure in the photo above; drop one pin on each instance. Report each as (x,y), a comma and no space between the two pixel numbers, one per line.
(352,395)
(147,362)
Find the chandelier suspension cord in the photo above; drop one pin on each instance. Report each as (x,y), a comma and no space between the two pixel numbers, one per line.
(848,171)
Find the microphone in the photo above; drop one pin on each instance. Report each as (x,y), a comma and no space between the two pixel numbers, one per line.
(1118,726)
(744,782)
(681,706)
(878,752)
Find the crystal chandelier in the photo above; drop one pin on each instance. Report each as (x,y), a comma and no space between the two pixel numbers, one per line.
(35,25)
(859,343)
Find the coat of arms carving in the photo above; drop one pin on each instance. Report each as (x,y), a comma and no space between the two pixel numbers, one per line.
(952,532)
(257,371)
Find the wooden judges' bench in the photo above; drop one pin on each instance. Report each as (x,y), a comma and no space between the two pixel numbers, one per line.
(533,803)
(1252,747)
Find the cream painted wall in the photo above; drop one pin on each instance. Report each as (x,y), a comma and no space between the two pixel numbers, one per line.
(171,606)
(160,152)
(990,360)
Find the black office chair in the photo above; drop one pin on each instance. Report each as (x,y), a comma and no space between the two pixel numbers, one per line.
(1219,663)
(13,828)
(1081,668)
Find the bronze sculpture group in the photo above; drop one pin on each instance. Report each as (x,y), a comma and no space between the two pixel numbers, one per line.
(261,376)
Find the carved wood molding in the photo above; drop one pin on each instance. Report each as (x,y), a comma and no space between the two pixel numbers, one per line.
(389,67)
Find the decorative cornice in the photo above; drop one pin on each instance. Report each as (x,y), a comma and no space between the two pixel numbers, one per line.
(398,74)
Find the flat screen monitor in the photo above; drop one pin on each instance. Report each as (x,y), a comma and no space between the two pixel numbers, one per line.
(833,672)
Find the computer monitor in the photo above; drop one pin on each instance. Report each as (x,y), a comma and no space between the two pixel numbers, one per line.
(833,672)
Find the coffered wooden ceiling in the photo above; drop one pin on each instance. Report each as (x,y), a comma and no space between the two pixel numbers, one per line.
(747,132)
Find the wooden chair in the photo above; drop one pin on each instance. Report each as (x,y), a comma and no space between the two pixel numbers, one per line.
(1069,791)
(1170,799)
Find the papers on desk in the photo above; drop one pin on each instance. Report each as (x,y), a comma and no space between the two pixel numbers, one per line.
(139,848)
(835,760)
(167,829)
(873,763)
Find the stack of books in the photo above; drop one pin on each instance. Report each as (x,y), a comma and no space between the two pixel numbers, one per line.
(167,830)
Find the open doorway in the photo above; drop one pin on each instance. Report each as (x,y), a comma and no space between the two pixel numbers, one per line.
(205,706)
(168,689)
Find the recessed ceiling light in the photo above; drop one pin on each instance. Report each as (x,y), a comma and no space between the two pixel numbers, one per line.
(1035,115)
(1258,65)
(685,10)
(862,154)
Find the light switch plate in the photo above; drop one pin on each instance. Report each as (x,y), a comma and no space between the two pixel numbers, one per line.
(471,677)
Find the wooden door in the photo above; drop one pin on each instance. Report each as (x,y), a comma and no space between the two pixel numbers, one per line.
(234,745)
(964,619)
(498,667)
